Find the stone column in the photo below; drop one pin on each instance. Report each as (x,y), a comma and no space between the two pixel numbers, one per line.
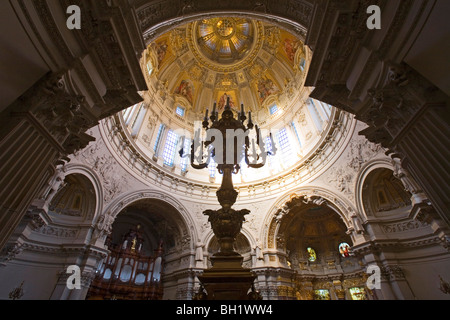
(38,131)
(409,116)
(339,290)
(62,292)
(363,71)
(393,274)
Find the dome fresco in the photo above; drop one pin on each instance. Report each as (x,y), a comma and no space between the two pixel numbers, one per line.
(245,60)
(241,61)
(225,40)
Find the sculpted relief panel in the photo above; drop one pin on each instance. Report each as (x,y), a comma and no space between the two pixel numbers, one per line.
(113,178)
(342,176)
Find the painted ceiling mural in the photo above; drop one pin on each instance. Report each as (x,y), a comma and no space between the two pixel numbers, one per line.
(218,58)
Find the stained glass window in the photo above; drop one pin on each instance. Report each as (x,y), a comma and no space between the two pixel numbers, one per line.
(357,293)
(170,148)
(312,256)
(322,294)
(344,249)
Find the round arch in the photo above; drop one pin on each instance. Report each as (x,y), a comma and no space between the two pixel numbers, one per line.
(122,202)
(243,238)
(83,177)
(361,177)
(315,195)
(157,18)
(380,192)
(92,177)
(248,235)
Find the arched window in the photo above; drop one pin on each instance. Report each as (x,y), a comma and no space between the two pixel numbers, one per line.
(150,68)
(186,152)
(125,275)
(294,128)
(180,111)
(270,151)
(302,64)
(127,113)
(285,146)
(322,294)
(140,279)
(344,249)
(130,113)
(357,293)
(107,274)
(326,108)
(273,109)
(157,270)
(212,168)
(170,148)
(137,123)
(318,122)
(158,137)
(312,256)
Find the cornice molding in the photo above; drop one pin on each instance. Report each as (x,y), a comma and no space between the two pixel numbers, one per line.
(127,153)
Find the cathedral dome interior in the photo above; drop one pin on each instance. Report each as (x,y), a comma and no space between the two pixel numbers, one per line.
(254,64)
(340,190)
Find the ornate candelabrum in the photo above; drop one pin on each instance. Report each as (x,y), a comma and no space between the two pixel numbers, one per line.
(227,142)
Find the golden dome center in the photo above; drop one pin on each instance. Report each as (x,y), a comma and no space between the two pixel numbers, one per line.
(224,40)
(225,28)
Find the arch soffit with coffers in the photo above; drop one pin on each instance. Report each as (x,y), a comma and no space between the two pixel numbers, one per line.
(310,194)
(126,200)
(88,173)
(365,171)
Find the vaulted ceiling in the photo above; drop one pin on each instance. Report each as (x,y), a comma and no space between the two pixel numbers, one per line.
(209,60)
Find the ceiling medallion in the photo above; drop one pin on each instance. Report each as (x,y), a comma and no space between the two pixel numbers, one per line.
(225,28)
(225,44)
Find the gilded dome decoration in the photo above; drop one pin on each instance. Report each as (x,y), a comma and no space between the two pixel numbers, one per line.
(225,40)
(225,44)
(222,59)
